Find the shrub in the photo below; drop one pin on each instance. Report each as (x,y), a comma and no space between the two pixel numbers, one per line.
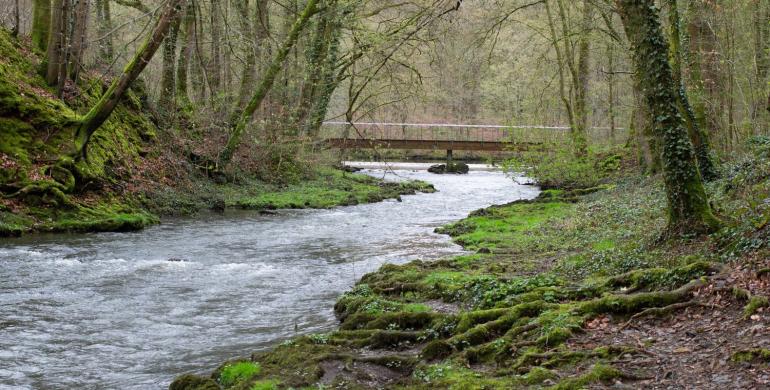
(555,165)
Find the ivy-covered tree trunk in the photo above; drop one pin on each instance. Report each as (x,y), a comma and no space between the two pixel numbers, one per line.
(328,78)
(688,206)
(315,62)
(698,135)
(41,23)
(104,107)
(266,83)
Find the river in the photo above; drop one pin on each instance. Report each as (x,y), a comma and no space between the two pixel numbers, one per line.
(110,310)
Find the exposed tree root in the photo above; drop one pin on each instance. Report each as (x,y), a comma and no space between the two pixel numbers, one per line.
(660,311)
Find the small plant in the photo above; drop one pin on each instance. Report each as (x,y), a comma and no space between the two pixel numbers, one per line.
(237,372)
(319,338)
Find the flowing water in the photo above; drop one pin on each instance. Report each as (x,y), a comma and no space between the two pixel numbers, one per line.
(120,311)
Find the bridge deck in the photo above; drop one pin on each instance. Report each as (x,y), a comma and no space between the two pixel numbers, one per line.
(358,143)
(438,136)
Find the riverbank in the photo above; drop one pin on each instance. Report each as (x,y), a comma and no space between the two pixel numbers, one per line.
(137,172)
(570,290)
(324,188)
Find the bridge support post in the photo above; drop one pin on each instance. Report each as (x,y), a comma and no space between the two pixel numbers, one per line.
(449,157)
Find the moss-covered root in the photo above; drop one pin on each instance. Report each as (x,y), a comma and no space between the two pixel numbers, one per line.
(753,302)
(751,356)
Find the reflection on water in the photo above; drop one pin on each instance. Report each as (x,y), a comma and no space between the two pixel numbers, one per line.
(110,310)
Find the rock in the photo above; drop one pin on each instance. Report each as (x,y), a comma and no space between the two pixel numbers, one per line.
(452,167)
(459,167)
(218,205)
(348,168)
(438,169)
(193,382)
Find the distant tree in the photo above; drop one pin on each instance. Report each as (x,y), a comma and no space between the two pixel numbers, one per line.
(244,117)
(688,206)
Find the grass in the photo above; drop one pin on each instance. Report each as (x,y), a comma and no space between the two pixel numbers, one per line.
(234,373)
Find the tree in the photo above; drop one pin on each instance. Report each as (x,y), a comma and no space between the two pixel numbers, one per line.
(688,206)
(168,76)
(57,42)
(106,104)
(574,96)
(265,84)
(41,23)
(698,136)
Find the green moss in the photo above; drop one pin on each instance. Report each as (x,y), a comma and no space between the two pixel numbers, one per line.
(755,302)
(234,373)
(598,373)
(537,375)
(751,355)
(193,382)
(327,188)
(265,385)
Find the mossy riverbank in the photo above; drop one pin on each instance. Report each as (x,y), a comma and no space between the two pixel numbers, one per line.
(544,275)
(135,172)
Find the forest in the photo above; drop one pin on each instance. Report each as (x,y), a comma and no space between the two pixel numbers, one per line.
(613,230)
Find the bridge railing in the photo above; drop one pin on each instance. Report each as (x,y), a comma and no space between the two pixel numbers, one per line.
(464,132)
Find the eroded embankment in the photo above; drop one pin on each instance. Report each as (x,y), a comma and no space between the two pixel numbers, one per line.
(553,287)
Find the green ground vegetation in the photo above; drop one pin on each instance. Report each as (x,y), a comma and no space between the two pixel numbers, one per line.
(502,316)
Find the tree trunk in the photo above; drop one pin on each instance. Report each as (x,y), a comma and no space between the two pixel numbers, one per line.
(185,55)
(688,207)
(168,75)
(249,68)
(611,88)
(329,80)
(698,136)
(215,65)
(78,40)
(267,82)
(16,19)
(104,20)
(104,107)
(761,109)
(581,85)
(316,60)
(56,42)
(41,23)
(706,84)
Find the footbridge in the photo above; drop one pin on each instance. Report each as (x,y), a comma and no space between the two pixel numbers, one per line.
(444,136)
